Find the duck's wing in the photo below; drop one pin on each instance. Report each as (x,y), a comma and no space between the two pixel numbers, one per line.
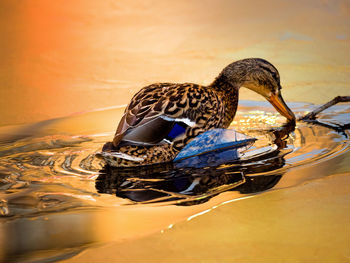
(153,130)
(154,115)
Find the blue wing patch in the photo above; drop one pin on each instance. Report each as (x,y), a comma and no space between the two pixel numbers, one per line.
(177,130)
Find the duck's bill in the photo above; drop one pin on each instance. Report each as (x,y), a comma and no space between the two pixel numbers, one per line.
(278,103)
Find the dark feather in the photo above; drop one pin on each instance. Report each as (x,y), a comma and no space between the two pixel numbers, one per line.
(150,133)
(147,119)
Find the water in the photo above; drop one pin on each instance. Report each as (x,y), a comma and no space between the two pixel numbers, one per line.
(57,198)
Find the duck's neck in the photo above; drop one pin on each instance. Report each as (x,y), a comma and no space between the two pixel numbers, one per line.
(229,94)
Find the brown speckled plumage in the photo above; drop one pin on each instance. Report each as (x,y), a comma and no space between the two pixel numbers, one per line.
(152,112)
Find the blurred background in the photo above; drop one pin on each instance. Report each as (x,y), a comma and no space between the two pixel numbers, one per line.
(63,57)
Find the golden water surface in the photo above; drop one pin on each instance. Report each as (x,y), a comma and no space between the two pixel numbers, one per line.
(69,68)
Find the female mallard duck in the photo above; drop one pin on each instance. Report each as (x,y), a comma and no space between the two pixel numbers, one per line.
(162,118)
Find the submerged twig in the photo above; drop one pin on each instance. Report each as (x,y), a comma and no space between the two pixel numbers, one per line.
(312,115)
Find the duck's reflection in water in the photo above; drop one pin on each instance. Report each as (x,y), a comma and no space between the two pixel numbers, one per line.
(188,186)
(191,182)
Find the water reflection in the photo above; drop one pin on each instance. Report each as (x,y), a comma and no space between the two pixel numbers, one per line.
(48,185)
(188,182)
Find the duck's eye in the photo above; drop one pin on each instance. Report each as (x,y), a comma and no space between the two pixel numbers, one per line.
(274,75)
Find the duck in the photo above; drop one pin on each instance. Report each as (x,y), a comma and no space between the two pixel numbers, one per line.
(163,117)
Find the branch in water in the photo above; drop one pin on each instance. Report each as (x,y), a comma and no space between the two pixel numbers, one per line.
(312,115)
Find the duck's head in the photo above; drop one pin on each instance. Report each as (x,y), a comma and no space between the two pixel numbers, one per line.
(260,76)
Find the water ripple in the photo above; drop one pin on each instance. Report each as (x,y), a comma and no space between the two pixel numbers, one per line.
(55,173)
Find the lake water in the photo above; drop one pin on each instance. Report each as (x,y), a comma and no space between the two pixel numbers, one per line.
(58,199)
